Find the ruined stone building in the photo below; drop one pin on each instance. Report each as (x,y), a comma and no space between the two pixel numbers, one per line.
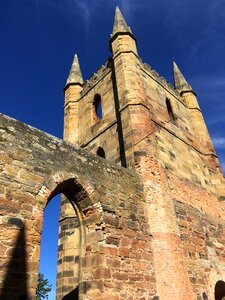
(142,212)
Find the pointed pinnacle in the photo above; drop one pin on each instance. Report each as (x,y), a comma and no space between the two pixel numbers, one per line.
(180,82)
(75,75)
(120,24)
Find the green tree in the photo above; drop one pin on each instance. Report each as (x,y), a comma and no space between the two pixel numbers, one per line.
(43,287)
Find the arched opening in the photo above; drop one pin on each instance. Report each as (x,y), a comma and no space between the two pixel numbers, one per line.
(170,110)
(100,152)
(70,239)
(97,103)
(49,244)
(220,290)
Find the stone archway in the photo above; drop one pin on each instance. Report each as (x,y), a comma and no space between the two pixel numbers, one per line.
(79,211)
(34,167)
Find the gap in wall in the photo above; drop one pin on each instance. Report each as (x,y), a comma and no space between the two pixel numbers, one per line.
(49,244)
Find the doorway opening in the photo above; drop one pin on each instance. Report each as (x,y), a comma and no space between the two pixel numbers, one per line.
(67,242)
(49,244)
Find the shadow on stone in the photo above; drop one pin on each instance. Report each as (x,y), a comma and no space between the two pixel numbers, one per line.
(15,283)
(74,295)
(119,121)
(220,290)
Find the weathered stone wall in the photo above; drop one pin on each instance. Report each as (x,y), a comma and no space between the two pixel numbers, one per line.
(94,132)
(188,231)
(114,255)
(124,240)
(172,152)
(175,143)
(201,222)
(156,232)
(135,118)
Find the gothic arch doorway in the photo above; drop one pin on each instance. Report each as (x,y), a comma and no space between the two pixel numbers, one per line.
(220,290)
(71,249)
(49,244)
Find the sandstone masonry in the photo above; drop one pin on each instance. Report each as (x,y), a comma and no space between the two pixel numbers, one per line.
(142,191)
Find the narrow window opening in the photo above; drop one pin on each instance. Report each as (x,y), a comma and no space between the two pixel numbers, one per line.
(170,110)
(220,290)
(98,106)
(100,152)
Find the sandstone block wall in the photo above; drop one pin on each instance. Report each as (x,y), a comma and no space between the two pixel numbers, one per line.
(113,259)
(149,237)
(159,132)
(135,117)
(175,142)
(94,132)
(156,232)
(187,227)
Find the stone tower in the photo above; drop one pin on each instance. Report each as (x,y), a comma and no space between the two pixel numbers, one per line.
(128,114)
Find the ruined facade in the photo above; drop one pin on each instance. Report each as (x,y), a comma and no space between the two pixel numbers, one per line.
(145,220)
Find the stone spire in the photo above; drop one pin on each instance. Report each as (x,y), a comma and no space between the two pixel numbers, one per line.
(180,82)
(120,24)
(75,75)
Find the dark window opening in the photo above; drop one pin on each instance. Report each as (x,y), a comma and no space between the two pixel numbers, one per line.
(98,106)
(170,110)
(100,152)
(220,290)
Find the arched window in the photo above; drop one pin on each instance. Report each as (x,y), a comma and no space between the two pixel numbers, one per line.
(100,152)
(97,106)
(170,110)
(220,290)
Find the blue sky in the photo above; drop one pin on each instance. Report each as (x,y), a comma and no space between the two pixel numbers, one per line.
(40,37)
